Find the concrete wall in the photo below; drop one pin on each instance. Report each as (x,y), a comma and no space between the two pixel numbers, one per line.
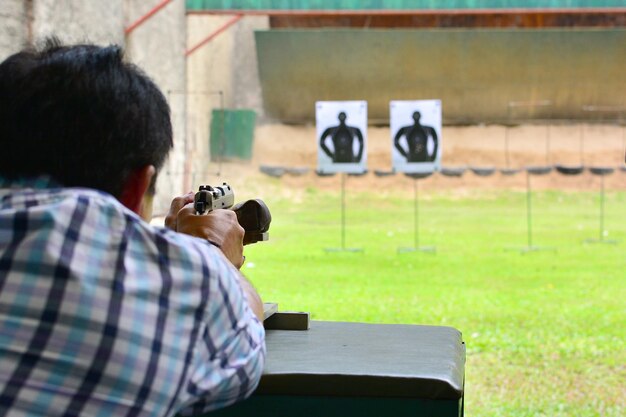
(208,74)
(222,71)
(157,46)
(14,24)
(246,85)
(74,21)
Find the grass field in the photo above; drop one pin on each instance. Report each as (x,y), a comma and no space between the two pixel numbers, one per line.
(545,330)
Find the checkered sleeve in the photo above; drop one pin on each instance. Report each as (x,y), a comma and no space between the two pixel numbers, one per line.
(230,350)
(102,314)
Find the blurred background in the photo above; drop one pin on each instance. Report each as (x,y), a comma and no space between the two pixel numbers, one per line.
(522,82)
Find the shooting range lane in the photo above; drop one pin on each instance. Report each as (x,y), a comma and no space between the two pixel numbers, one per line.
(475,146)
(365,360)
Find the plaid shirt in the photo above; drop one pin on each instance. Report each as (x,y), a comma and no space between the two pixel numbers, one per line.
(102,314)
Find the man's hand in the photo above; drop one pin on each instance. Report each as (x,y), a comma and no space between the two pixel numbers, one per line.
(220,227)
(171,220)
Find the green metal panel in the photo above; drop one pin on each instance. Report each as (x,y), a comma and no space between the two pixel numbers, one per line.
(232,133)
(297,406)
(476,73)
(396,4)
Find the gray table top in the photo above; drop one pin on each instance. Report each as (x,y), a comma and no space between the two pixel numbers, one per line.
(371,360)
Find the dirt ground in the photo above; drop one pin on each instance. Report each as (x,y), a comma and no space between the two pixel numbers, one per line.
(476,146)
(292,146)
(473,146)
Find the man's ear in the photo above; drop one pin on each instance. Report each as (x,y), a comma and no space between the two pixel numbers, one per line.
(136,187)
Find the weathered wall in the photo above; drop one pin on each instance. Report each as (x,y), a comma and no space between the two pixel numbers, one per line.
(476,73)
(246,85)
(158,47)
(226,65)
(14,24)
(99,22)
(208,74)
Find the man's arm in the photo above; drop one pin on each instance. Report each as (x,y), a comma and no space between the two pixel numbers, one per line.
(220,228)
(229,355)
(253,297)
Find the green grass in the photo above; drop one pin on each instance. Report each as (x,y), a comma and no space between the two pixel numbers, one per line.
(545,330)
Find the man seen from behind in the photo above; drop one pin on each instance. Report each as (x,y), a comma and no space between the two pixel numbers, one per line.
(100,312)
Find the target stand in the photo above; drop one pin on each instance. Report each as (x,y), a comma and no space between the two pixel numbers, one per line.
(343,247)
(613,113)
(601,172)
(416,241)
(530,247)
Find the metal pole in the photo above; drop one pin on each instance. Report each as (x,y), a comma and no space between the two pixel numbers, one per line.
(145,17)
(412,12)
(343,210)
(209,38)
(416,224)
(528,211)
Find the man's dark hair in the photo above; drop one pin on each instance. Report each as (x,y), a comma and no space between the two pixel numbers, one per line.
(80,115)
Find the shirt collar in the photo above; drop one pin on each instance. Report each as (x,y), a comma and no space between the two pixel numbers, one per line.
(39,182)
